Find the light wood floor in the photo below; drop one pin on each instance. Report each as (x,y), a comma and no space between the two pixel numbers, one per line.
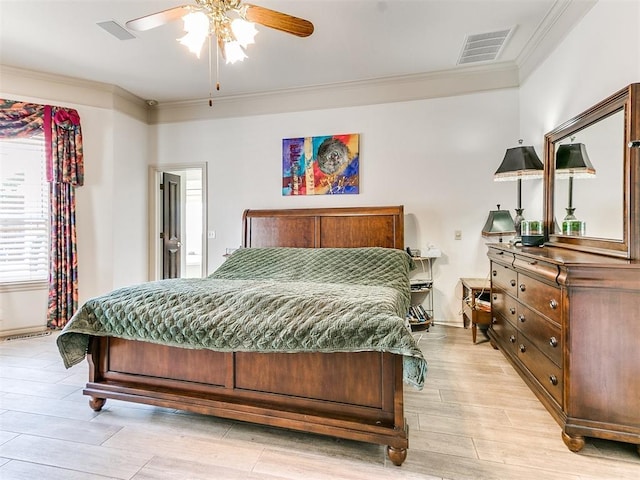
(474,420)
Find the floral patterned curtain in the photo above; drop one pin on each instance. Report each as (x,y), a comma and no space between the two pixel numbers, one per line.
(65,171)
(19,119)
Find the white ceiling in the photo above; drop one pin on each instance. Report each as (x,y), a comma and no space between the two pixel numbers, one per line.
(354,40)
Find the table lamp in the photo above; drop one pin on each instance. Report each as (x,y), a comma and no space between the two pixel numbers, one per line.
(572,161)
(519,163)
(499,223)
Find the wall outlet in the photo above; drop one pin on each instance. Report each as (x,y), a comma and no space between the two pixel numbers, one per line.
(457,235)
(211,234)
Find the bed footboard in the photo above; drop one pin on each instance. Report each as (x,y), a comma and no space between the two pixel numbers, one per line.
(355,396)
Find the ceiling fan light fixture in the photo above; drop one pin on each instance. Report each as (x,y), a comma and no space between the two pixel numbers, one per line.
(234,52)
(231,22)
(244,31)
(196,24)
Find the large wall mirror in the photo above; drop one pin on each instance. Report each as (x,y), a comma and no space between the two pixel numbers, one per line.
(592,176)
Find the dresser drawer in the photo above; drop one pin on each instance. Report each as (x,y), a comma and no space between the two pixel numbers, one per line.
(505,332)
(540,296)
(500,256)
(504,304)
(504,277)
(545,335)
(547,373)
(539,268)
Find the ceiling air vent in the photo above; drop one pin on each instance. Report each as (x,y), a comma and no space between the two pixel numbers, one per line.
(483,47)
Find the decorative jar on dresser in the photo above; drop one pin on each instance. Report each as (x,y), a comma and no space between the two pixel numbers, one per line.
(567,314)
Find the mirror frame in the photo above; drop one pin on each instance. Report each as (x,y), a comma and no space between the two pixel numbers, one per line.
(627,99)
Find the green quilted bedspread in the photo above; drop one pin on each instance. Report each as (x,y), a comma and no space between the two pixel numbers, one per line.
(266,300)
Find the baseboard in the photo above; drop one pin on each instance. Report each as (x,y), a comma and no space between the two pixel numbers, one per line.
(20,333)
(449,323)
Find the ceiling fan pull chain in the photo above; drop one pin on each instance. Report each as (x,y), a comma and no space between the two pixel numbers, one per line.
(217,66)
(210,81)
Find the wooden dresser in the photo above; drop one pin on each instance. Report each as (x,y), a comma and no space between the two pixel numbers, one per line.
(567,315)
(569,322)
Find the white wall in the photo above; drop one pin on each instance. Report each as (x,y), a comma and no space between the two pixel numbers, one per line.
(436,157)
(130,201)
(112,204)
(600,56)
(111,215)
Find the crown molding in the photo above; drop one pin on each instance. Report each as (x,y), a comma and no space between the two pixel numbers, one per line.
(559,21)
(458,81)
(29,85)
(41,87)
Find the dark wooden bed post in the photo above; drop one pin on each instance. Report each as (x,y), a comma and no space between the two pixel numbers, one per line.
(93,352)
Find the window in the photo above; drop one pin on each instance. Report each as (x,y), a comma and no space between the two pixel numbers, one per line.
(24,211)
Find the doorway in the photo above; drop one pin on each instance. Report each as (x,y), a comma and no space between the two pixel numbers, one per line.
(193,214)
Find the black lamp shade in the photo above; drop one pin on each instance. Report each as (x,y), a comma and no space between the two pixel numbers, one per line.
(499,222)
(519,162)
(572,159)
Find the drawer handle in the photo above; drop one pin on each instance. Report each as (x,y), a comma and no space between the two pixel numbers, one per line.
(512,339)
(494,273)
(522,348)
(513,283)
(533,262)
(495,298)
(553,304)
(553,341)
(512,311)
(522,287)
(521,318)
(553,380)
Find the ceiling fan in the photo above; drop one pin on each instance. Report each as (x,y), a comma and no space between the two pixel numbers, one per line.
(226,20)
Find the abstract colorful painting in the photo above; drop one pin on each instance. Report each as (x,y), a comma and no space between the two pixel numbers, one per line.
(323,165)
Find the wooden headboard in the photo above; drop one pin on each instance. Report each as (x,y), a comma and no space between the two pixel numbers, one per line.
(324,227)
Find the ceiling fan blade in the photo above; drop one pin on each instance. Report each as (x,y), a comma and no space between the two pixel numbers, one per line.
(157,19)
(279,21)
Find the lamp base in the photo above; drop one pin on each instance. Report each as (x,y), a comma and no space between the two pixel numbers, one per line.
(570,216)
(517,222)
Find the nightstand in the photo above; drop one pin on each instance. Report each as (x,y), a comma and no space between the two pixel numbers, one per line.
(476,311)
(421,310)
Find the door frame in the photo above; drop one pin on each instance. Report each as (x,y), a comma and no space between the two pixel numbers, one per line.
(155,215)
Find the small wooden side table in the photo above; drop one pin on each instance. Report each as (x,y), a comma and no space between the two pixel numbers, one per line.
(474,311)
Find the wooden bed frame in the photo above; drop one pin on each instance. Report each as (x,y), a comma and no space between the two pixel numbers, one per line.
(354,396)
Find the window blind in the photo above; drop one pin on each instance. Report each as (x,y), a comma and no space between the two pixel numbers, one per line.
(24,211)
